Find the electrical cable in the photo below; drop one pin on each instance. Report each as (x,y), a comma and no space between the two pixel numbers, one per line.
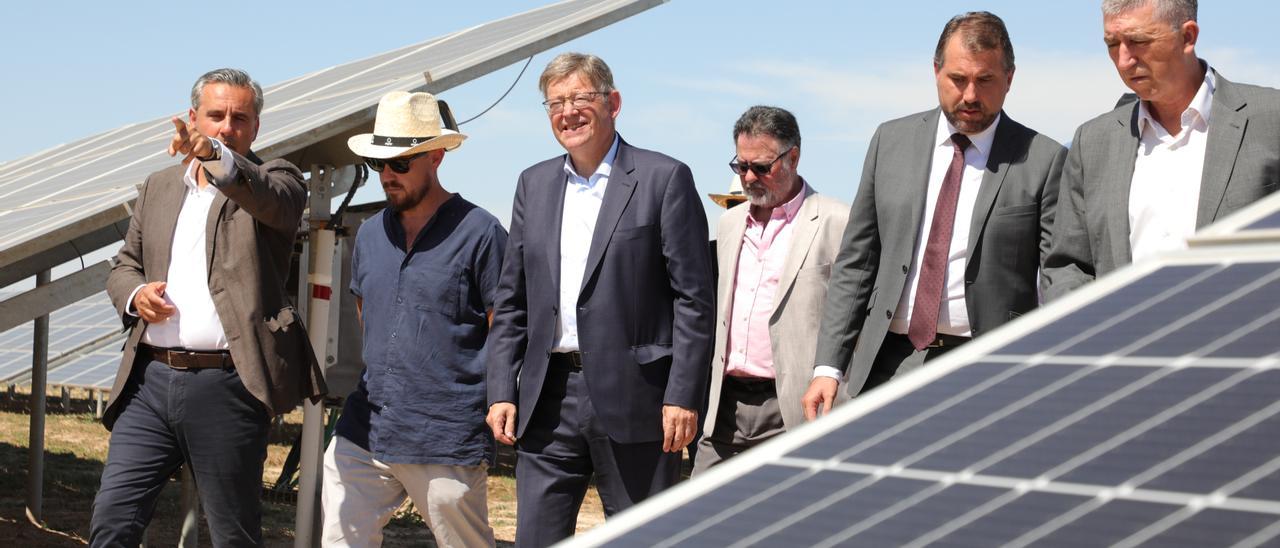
(504,95)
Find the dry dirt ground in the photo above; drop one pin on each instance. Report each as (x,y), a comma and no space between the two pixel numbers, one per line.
(76,446)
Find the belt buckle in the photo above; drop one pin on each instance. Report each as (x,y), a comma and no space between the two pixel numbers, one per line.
(172,356)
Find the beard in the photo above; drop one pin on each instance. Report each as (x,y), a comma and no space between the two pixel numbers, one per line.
(406,198)
(969,127)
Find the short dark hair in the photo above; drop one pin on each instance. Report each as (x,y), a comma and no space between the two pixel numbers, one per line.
(771,121)
(981,31)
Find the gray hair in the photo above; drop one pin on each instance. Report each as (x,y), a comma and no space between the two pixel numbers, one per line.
(1174,12)
(980,31)
(231,77)
(593,68)
(771,121)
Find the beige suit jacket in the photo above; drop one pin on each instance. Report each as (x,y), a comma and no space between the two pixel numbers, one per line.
(249,240)
(802,290)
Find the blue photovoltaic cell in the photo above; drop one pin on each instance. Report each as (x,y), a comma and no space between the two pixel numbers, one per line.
(1089,316)
(1214,527)
(927,515)
(840,515)
(1107,524)
(1098,427)
(1220,324)
(1180,432)
(899,410)
(1257,343)
(1011,520)
(1269,222)
(1160,313)
(1267,488)
(965,413)
(1220,465)
(684,517)
(1033,418)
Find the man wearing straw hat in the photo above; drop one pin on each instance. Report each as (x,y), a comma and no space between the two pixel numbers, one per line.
(602,327)
(424,272)
(775,256)
(215,348)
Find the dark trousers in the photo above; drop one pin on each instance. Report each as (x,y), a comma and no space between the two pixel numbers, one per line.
(203,417)
(563,446)
(748,414)
(897,356)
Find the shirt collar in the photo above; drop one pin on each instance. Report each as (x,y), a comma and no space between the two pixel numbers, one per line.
(789,209)
(602,170)
(189,177)
(1201,106)
(981,140)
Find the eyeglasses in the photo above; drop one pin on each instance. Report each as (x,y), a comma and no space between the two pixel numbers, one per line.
(760,170)
(399,165)
(579,101)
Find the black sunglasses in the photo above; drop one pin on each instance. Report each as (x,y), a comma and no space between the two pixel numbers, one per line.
(760,170)
(399,165)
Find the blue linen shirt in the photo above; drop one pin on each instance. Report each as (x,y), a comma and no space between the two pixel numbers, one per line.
(421,399)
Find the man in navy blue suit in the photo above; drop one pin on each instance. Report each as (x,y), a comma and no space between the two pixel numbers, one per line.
(601,338)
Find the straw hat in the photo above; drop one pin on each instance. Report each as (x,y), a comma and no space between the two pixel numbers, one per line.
(406,123)
(733,198)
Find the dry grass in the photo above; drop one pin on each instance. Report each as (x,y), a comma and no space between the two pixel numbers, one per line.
(76,447)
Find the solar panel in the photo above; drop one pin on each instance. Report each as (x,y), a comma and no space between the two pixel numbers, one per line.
(68,184)
(1143,410)
(71,328)
(96,369)
(1258,222)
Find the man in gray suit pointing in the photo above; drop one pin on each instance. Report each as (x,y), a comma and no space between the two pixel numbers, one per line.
(1142,178)
(948,227)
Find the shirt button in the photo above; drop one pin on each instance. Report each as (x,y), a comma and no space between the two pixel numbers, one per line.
(904,269)
(393,335)
(399,299)
(888,314)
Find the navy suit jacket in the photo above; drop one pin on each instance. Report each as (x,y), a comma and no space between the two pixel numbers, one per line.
(645,313)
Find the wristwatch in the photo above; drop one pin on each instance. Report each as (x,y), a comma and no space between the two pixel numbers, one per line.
(215,155)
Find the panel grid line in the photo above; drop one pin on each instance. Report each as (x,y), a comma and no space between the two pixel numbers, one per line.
(878,517)
(812,508)
(736,508)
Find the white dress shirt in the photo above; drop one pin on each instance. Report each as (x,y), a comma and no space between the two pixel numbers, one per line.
(195,325)
(1164,193)
(583,197)
(953,318)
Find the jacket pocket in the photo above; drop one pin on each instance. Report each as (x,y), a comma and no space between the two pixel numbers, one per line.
(649,353)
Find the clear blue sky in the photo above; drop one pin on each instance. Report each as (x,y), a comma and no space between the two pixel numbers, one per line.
(686,69)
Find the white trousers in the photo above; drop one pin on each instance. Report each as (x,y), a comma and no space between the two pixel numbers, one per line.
(360,495)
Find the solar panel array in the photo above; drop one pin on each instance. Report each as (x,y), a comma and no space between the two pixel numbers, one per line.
(1143,410)
(69,183)
(73,327)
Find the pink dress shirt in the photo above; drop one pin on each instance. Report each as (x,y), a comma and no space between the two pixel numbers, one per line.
(755,288)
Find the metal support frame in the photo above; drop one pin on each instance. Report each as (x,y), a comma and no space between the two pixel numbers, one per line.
(39,376)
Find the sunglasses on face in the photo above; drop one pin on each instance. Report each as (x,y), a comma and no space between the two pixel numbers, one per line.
(741,168)
(399,165)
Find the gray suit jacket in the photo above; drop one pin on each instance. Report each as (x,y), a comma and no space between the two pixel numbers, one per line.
(797,308)
(1241,165)
(250,233)
(1008,237)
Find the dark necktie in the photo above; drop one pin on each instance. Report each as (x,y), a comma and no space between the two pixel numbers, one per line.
(933,269)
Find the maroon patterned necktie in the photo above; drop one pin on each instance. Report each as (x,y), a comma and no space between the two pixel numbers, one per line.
(933,269)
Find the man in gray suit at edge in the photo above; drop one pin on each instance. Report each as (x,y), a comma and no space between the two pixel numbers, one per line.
(948,228)
(775,257)
(602,322)
(1142,178)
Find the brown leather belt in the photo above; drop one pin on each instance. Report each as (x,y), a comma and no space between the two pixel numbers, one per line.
(568,360)
(182,359)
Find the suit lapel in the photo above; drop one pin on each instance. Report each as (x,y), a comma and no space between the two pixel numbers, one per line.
(728,249)
(1226,133)
(173,195)
(617,195)
(555,223)
(802,235)
(216,210)
(998,160)
(915,180)
(1124,151)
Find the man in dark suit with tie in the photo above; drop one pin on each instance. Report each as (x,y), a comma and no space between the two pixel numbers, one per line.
(603,319)
(1144,177)
(215,347)
(948,227)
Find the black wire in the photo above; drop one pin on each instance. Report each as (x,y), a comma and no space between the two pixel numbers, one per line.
(362,173)
(504,95)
